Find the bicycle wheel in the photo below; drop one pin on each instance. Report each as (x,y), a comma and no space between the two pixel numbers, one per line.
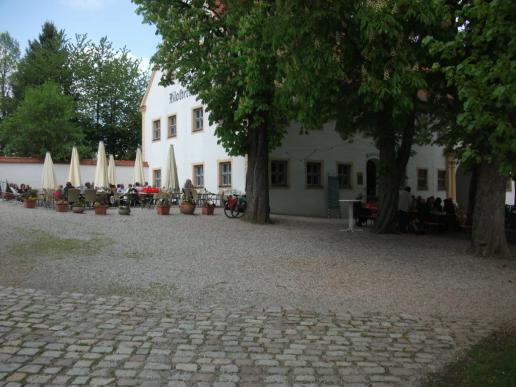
(228,212)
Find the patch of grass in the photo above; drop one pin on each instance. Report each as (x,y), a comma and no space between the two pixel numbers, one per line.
(36,243)
(490,363)
(155,291)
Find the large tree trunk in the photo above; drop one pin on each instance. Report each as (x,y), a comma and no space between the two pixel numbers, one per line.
(488,231)
(472,193)
(257,178)
(393,163)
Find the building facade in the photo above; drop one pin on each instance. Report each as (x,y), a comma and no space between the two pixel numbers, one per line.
(299,170)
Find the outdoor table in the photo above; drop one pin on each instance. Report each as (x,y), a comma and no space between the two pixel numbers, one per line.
(351,220)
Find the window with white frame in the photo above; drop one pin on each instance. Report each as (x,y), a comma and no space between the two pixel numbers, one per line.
(279,173)
(197,120)
(172,126)
(198,175)
(156,130)
(314,174)
(422,179)
(156,178)
(344,176)
(225,174)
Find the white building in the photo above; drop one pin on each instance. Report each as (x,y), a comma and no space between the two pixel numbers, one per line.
(299,169)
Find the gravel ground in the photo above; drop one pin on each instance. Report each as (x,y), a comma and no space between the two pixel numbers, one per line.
(297,262)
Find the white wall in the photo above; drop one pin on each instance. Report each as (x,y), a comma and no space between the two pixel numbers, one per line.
(190,147)
(25,173)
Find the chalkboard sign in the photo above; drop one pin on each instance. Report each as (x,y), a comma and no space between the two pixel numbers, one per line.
(333,193)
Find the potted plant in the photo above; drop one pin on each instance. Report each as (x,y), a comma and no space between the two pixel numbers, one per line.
(187,205)
(163,206)
(208,207)
(30,198)
(61,206)
(100,209)
(124,209)
(78,206)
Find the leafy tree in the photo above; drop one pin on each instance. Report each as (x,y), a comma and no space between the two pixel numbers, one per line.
(42,123)
(46,59)
(479,61)
(362,63)
(107,86)
(222,52)
(9,55)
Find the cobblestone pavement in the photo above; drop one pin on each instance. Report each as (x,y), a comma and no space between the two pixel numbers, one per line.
(78,339)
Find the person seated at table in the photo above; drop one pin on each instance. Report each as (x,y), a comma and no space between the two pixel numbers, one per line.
(120,188)
(138,187)
(65,190)
(437,207)
(452,220)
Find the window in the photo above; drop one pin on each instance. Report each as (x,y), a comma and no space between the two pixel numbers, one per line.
(279,174)
(314,174)
(360,178)
(198,122)
(441,180)
(198,175)
(156,130)
(172,126)
(422,179)
(344,176)
(225,174)
(156,175)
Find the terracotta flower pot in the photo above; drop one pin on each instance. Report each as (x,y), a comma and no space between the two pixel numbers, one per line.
(29,203)
(101,210)
(187,208)
(163,210)
(77,210)
(208,210)
(61,207)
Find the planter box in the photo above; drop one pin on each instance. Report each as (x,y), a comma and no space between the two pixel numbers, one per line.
(78,210)
(101,210)
(62,207)
(29,203)
(187,209)
(208,210)
(163,210)
(124,211)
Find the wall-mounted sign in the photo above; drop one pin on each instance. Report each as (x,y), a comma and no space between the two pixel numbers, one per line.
(178,95)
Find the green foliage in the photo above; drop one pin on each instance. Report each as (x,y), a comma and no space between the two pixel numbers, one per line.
(480,62)
(361,63)
(9,56)
(107,86)
(42,123)
(223,54)
(46,59)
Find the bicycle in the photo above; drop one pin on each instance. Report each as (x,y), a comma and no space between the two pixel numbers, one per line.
(235,206)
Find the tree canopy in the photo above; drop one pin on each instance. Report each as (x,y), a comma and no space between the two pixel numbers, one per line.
(224,55)
(9,56)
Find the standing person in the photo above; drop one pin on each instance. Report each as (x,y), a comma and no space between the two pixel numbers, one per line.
(403,209)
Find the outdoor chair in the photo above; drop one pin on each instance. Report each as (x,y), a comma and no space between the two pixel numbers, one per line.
(90,195)
(73,195)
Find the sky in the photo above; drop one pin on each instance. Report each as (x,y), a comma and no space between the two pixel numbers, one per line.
(116,19)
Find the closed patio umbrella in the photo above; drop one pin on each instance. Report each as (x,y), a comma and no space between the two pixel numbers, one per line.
(74,174)
(112,170)
(101,176)
(170,181)
(48,176)
(138,176)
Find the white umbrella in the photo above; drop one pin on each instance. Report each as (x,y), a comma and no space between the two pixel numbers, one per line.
(111,171)
(138,176)
(101,176)
(48,177)
(74,174)
(171,182)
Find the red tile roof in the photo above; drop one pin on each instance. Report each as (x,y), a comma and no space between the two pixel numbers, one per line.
(30,160)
